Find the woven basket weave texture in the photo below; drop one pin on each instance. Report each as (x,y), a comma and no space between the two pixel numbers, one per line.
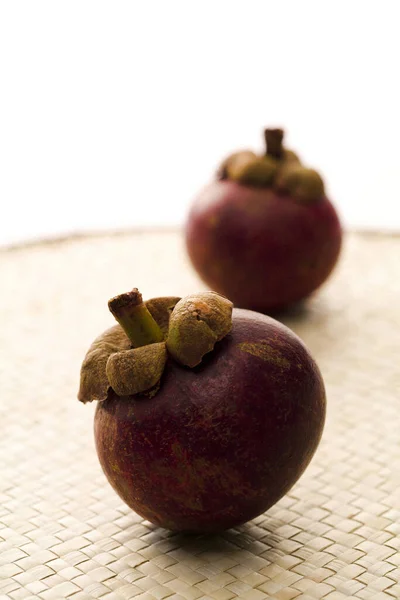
(64,533)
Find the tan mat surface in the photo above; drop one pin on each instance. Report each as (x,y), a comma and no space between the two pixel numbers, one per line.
(65,534)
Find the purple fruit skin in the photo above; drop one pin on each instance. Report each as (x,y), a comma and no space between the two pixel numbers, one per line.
(221,443)
(262,250)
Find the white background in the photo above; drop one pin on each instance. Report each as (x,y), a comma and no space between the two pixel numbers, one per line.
(113,114)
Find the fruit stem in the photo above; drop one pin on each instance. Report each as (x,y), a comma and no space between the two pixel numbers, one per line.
(274,142)
(135,319)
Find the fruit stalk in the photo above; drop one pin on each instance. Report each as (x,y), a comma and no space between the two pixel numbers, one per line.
(274,143)
(135,319)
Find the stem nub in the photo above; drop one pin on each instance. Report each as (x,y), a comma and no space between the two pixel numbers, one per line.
(135,319)
(274,142)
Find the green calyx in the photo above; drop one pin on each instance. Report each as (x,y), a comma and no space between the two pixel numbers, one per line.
(279,169)
(130,358)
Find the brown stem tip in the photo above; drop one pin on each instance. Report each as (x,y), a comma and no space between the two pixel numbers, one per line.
(274,142)
(135,319)
(129,299)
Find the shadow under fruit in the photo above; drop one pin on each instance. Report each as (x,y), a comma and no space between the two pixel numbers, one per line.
(263,233)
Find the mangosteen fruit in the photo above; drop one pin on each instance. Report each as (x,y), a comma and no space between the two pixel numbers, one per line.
(264,233)
(206,415)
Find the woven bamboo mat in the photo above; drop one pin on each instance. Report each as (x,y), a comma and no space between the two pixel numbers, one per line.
(63,531)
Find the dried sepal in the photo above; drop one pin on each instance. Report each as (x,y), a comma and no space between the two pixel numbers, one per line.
(193,326)
(136,370)
(161,309)
(94,384)
(224,171)
(196,324)
(257,171)
(302,183)
(290,157)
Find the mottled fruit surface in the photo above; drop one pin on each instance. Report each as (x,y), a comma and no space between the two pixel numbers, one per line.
(261,248)
(221,443)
